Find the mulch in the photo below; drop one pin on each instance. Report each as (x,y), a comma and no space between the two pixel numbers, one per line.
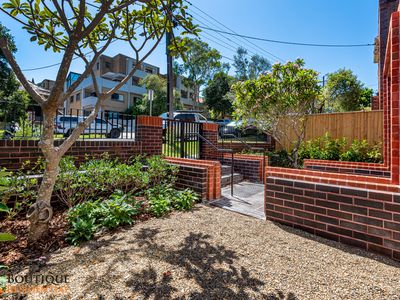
(19,251)
(18,254)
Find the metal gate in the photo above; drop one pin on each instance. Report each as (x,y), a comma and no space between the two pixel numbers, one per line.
(181,139)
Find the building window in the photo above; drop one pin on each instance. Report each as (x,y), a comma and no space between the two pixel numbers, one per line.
(78,97)
(71,99)
(135,80)
(148,70)
(107,64)
(184,94)
(117,97)
(98,65)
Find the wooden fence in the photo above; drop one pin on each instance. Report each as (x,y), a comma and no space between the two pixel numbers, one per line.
(359,125)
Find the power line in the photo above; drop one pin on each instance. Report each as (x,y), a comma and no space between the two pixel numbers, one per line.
(220,34)
(235,33)
(289,43)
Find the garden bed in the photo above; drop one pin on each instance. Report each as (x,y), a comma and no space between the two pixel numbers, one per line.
(89,200)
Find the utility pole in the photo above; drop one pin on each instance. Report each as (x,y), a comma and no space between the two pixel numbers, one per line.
(170,79)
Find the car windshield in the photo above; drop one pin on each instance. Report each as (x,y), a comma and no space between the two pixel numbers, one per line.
(235,123)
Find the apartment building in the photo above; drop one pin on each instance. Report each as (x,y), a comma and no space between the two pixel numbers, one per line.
(109,71)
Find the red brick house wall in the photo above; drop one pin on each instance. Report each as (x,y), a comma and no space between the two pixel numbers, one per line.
(360,210)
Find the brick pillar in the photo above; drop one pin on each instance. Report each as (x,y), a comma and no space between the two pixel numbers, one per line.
(394,97)
(210,132)
(149,133)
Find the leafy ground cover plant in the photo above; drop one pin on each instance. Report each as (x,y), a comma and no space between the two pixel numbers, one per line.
(185,200)
(17,191)
(327,148)
(88,217)
(4,236)
(163,198)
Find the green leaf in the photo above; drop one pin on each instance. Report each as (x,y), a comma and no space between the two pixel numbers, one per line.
(4,208)
(7,237)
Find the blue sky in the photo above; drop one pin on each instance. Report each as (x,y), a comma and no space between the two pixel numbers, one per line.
(308,21)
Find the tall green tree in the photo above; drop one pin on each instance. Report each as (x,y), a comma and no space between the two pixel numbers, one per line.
(159,104)
(199,64)
(13,101)
(249,68)
(345,92)
(279,102)
(72,28)
(218,96)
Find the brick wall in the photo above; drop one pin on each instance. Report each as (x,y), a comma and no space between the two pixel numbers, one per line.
(209,132)
(213,174)
(386,8)
(358,168)
(250,166)
(363,218)
(148,141)
(194,178)
(149,133)
(14,153)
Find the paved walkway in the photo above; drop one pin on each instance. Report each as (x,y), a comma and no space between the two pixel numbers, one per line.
(247,199)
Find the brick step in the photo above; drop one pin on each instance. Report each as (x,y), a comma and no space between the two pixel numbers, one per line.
(226,179)
(225,170)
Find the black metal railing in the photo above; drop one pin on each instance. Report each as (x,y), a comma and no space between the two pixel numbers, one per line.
(249,134)
(26,122)
(230,151)
(177,142)
(253,150)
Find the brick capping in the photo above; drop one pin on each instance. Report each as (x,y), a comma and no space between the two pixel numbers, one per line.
(346,164)
(210,127)
(149,121)
(358,181)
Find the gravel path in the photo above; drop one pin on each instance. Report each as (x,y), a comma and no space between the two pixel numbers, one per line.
(211,253)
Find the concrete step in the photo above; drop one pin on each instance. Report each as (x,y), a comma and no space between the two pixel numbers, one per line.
(226,179)
(225,170)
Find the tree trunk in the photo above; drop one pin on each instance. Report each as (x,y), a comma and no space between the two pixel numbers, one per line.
(41,212)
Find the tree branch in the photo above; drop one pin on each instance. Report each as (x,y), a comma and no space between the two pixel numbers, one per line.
(18,72)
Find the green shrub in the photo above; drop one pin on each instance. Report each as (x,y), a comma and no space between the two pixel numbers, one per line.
(97,178)
(361,151)
(160,199)
(327,148)
(279,159)
(160,171)
(20,188)
(118,210)
(88,217)
(185,200)
(4,236)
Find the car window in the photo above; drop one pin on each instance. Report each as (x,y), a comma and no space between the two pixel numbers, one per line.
(233,123)
(201,117)
(186,117)
(69,119)
(100,121)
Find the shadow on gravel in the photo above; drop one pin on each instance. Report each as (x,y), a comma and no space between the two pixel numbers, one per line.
(210,268)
